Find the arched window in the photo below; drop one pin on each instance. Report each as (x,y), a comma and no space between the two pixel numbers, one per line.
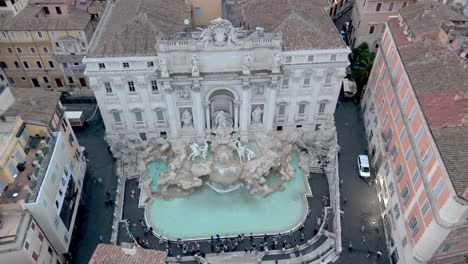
(282,109)
(322,106)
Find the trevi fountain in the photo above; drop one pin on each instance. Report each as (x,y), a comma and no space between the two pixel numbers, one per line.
(193,190)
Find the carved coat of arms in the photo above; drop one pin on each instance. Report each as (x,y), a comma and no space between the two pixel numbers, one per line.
(220,32)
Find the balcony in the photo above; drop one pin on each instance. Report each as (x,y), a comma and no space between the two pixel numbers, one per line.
(140,125)
(300,117)
(281,118)
(118,126)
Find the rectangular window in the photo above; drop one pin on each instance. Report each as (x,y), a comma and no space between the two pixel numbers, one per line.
(378,7)
(404,4)
(394,152)
(285,82)
(197,11)
(131,87)
(371,30)
(419,134)
(57,45)
(425,207)
(26,65)
(12,35)
(397,118)
(154,86)
(405,194)
(39,34)
(412,114)
(108,87)
(150,64)
(328,78)
(46,80)
(46,10)
(58,10)
(126,65)
(408,153)
(70,79)
(4,36)
(17,65)
(414,226)
(399,172)
(307,80)
(45,49)
(102,66)
(415,176)
(402,134)
(116,116)
(302,108)
(385,120)
(392,102)
(391,6)
(53,34)
(310,58)
(322,107)
(282,109)
(19,50)
(143,136)
(40,236)
(32,49)
(139,116)
(396,208)
(39,64)
(3,64)
(427,157)
(438,188)
(406,98)
(391,187)
(10,50)
(35,256)
(160,116)
(51,64)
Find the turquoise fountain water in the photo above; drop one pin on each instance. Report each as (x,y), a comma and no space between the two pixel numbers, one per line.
(205,212)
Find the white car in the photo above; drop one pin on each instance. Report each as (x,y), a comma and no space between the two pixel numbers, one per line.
(363,166)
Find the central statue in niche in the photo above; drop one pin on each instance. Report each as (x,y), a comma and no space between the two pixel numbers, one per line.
(222,126)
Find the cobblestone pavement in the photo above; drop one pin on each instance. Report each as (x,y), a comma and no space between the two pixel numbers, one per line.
(319,186)
(94,218)
(361,208)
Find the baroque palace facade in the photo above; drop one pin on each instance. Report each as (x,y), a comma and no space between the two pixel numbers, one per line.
(153,77)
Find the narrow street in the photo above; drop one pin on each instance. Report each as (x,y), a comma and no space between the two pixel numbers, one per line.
(94,218)
(361,206)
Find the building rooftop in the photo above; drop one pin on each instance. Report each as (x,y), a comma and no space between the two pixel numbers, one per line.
(33,105)
(126,254)
(145,21)
(13,219)
(425,16)
(6,133)
(440,80)
(33,18)
(304,24)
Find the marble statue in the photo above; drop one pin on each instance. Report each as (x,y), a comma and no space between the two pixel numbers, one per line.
(204,149)
(220,32)
(163,67)
(195,151)
(187,119)
(276,66)
(257,116)
(243,152)
(195,69)
(221,123)
(247,61)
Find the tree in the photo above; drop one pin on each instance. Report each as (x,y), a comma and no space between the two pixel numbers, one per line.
(362,60)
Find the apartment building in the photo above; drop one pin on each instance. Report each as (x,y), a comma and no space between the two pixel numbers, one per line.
(21,238)
(12,6)
(49,176)
(415,113)
(368,20)
(43,45)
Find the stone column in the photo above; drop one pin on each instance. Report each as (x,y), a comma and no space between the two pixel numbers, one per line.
(236,115)
(270,111)
(172,112)
(197,110)
(207,117)
(245,111)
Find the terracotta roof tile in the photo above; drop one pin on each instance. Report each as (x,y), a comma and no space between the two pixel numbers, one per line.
(304,24)
(110,254)
(438,77)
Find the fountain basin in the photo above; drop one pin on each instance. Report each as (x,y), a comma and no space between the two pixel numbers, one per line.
(206,212)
